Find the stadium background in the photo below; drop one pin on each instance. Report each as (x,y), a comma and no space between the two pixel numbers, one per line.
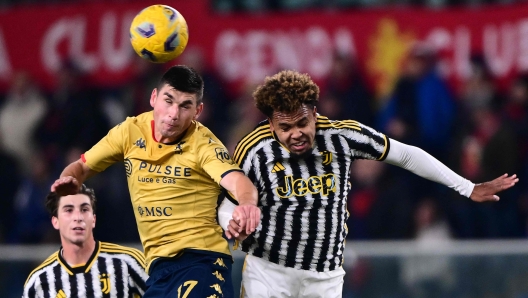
(68,74)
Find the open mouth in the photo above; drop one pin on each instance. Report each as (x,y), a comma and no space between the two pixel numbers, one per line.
(298,146)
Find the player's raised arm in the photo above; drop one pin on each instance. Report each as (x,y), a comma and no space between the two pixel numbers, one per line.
(71,178)
(246,214)
(424,165)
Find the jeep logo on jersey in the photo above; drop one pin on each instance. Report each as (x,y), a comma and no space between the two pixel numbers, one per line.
(299,187)
(222,155)
(154,211)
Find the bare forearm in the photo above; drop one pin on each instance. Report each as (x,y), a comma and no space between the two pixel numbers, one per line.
(78,170)
(241,188)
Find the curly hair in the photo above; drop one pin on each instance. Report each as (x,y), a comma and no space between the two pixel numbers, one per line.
(52,200)
(286,92)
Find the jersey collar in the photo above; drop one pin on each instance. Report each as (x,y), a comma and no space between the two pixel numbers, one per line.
(82,268)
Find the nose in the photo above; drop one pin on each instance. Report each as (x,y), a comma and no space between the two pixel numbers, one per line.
(77,216)
(174,112)
(296,133)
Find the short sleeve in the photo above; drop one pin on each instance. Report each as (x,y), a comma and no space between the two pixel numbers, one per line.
(109,150)
(215,160)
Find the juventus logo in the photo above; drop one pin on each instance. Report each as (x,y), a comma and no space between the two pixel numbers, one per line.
(105,280)
(277,167)
(327,157)
(61,294)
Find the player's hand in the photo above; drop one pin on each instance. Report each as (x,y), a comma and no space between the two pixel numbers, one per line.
(487,191)
(65,186)
(233,231)
(247,217)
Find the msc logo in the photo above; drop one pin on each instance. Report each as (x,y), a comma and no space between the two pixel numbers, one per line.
(141,144)
(128,167)
(222,155)
(154,211)
(105,280)
(327,157)
(299,187)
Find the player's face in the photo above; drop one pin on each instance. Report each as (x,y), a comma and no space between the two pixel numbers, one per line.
(75,219)
(174,112)
(296,131)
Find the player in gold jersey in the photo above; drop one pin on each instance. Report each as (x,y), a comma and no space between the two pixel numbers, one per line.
(175,169)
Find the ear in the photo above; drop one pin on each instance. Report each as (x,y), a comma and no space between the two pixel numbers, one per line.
(153,97)
(55,222)
(199,110)
(271,124)
(93,224)
(315,112)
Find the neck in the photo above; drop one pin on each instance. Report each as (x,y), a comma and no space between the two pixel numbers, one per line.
(75,254)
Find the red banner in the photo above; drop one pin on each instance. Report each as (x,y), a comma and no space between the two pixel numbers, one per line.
(247,47)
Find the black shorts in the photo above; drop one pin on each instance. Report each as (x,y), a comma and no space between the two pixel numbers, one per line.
(193,274)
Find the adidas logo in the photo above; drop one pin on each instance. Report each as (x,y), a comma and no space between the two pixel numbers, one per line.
(61,294)
(278,167)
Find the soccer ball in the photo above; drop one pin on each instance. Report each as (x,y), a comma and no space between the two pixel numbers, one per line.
(159,33)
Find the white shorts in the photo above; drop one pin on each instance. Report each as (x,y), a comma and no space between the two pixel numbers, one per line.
(261,278)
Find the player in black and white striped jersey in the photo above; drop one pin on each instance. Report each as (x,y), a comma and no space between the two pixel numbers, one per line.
(83,266)
(300,161)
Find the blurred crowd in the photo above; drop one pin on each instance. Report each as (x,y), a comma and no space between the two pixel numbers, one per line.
(479,131)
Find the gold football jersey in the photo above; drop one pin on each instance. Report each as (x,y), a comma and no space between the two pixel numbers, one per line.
(173,187)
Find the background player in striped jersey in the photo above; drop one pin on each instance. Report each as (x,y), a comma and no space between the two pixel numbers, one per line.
(174,166)
(83,266)
(300,162)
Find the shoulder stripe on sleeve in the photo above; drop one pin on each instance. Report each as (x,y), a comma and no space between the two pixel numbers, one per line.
(46,262)
(250,141)
(250,135)
(114,248)
(123,249)
(348,125)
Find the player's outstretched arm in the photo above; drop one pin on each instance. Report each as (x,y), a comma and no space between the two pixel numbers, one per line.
(246,214)
(487,191)
(71,178)
(423,164)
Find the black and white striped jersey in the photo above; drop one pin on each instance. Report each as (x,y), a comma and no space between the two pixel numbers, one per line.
(304,199)
(112,271)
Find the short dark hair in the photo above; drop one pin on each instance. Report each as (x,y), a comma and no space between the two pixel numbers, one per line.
(53,199)
(184,79)
(286,92)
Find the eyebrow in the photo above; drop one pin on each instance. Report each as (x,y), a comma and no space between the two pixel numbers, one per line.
(186,102)
(168,95)
(72,206)
(295,123)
